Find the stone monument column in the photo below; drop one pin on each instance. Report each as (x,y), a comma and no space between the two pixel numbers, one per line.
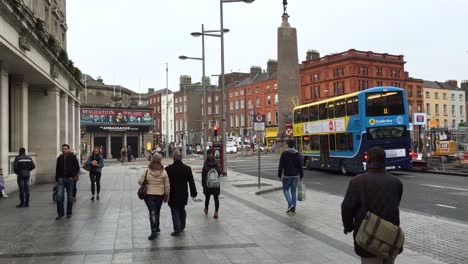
(64,119)
(4,118)
(19,113)
(77,125)
(288,74)
(108,146)
(72,123)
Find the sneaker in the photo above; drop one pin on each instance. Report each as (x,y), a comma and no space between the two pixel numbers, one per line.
(97,197)
(92,198)
(293,209)
(20,205)
(215,216)
(68,216)
(175,234)
(152,236)
(205,210)
(59,217)
(290,209)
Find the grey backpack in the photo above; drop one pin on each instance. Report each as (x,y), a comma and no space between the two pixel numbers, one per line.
(212,179)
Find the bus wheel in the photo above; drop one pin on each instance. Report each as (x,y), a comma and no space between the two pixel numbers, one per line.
(343,168)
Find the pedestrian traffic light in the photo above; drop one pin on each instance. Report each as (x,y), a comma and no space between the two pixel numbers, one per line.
(215,129)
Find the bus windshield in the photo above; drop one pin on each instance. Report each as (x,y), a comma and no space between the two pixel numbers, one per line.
(384,103)
(386,132)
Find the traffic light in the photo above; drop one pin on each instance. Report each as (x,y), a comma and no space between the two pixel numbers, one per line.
(215,129)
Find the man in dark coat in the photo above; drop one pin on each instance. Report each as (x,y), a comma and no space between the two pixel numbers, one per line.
(179,175)
(382,193)
(66,169)
(22,166)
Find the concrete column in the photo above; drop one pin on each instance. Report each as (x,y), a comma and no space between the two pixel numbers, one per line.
(77,126)
(44,130)
(19,113)
(141,144)
(64,119)
(4,124)
(108,146)
(124,139)
(71,124)
(91,143)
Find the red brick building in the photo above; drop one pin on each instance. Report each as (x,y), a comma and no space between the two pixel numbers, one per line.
(354,70)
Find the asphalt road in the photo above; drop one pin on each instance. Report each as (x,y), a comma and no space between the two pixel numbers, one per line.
(428,193)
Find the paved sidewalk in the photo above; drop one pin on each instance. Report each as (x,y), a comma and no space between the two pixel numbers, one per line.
(251,228)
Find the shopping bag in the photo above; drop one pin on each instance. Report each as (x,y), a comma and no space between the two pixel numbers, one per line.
(301,192)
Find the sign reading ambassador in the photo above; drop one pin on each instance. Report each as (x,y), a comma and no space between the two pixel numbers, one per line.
(96,117)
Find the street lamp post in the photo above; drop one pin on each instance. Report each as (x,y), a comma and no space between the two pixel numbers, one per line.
(223,90)
(203,33)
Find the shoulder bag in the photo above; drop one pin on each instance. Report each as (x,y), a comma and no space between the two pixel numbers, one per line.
(376,235)
(142,190)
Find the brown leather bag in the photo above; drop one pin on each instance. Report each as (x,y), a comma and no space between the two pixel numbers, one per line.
(142,190)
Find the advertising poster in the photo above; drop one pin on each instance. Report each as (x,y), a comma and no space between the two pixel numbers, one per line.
(116,117)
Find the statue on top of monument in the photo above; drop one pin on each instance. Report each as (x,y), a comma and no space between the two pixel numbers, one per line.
(285,7)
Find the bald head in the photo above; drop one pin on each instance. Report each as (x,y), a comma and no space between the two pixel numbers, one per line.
(376,158)
(177,155)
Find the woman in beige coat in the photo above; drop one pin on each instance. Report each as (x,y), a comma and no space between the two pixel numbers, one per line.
(157,190)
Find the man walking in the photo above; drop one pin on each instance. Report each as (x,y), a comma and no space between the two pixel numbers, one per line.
(289,171)
(179,176)
(22,166)
(382,193)
(66,169)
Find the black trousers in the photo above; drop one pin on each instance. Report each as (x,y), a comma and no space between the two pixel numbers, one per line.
(178,218)
(154,202)
(95,179)
(216,200)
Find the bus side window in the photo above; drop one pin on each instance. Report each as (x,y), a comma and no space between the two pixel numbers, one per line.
(352,106)
(313,113)
(341,144)
(350,142)
(331,110)
(340,109)
(305,114)
(306,143)
(297,116)
(315,142)
(332,142)
(322,111)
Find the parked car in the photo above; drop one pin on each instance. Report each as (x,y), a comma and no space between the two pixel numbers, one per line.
(198,149)
(231,148)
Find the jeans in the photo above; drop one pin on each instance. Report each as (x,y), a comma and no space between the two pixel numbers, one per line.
(216,200)
(290,189)
(154,203)
(23,186)
(377,261)
(178,218)
(95,179)
(75,190)
(62,184)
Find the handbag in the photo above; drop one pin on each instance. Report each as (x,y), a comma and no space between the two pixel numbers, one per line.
(87,167)
(301,192)
(142,190)
(376,235)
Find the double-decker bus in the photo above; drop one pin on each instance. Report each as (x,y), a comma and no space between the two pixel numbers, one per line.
(336,133)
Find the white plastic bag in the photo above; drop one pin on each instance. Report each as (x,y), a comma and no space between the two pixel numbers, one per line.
(301,192)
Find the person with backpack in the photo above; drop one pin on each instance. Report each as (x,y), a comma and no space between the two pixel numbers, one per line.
(211,184)
(289,170)
(96,163)
(22,166)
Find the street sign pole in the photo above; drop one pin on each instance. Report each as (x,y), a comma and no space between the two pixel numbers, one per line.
(258,160)
(259,126)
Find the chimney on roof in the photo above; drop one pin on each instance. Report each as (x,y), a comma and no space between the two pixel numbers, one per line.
(150,90)
(184,80)
(406,75)
(453,83)
(312,55)
(254,71)
(464,85)
(99,79)
(272,67)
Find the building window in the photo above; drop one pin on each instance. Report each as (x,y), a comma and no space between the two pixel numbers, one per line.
(436,109)
(236,94)
(428,109)
(216,109)
(338,88)
(428,95)
(209,99)
(276,118)
(250,104)
(419,108)
(276,99)
(242,104)
(445,123)
(158,99)
(363,84)
(316,91)
(231,105)
(453,110)
(394,84)
(248,91)
(268,100)
(461,97)
(419,91)
(436,95)
(242,92)
(363,70)
(461,110)
(379,83)
(444,96)
(316,77)
(275,86)
(379,71)
(237,105)
(394,73)
(209,110)
(185,98)
(257,90)
(453,123)
(269,118)
(410,90)
(445,109)
(257,101)
(267,88)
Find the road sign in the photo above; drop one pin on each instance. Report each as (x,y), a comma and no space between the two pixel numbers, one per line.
(260,118)
(289,132)
(259,127)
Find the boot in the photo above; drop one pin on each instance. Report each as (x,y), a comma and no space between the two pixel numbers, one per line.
(21,196)
(26,200)
(215,216)
(3,194)
(153,234)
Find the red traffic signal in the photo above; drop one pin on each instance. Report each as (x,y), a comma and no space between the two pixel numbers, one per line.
(215,129)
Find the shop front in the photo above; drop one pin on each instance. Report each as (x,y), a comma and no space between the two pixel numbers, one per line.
(271,134)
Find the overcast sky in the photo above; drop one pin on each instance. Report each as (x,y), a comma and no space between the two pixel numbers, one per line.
(134,39)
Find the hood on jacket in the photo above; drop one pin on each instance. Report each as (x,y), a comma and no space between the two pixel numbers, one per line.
(292,150)
(155,170)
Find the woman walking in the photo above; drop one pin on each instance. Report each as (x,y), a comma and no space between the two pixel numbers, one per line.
(157,191)
(210,183)
(96,161)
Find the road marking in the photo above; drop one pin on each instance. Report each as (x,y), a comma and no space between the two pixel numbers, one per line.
(446,206)
(445,187)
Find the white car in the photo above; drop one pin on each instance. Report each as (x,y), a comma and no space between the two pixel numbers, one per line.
(231,148)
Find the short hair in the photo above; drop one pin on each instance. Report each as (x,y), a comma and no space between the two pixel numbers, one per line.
(22,151)
(156,159)
(210,158)
(66,145)
(291,143)
(376,157)
(177,155)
